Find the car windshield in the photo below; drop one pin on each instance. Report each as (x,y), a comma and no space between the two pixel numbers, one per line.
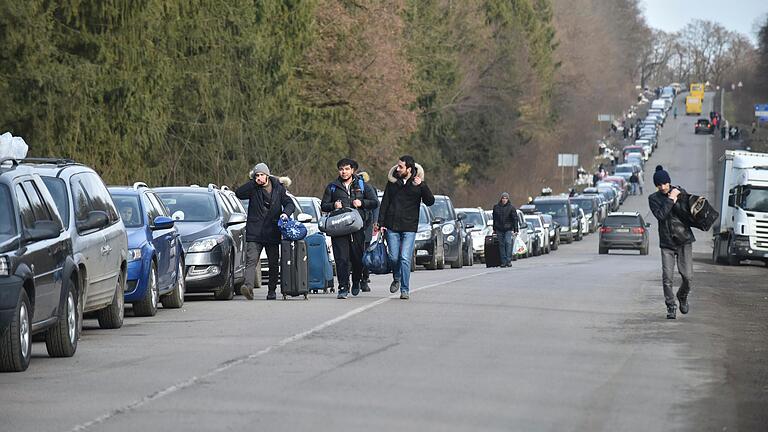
(440,209)
(423,216)
(585,204)
(58,190)
(624,168)
(308,207)
(614,221)
(190,206)
(7,217)
(633,150)
(474,218)
(534,221)
(556,210)
(128,206)
(756,199)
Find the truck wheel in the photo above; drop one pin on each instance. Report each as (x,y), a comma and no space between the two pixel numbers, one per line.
(730,257)
(16,338)
(61,339)
(112,316)
(147,306)
(175,299)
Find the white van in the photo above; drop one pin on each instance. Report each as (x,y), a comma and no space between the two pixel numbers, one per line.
(659,104)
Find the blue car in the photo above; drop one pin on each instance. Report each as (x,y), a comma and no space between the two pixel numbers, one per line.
(156,267)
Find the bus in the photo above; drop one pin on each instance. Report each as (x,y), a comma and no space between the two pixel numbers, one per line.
(697,90)
(693,105)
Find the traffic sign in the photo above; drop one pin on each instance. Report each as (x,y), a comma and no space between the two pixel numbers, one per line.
(761,112)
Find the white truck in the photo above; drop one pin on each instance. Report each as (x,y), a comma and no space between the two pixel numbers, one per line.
(741,233)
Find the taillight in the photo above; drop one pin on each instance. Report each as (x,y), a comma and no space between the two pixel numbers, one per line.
(604,230)
(638,230)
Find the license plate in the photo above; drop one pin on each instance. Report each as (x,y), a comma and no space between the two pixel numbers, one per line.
(622,230)
(421,253)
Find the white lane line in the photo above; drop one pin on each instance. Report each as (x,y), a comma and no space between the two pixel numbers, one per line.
(240,360)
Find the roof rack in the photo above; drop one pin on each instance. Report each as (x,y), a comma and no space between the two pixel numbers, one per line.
(224,188)
(54,161)
(13,161)
(212,186)
(138,185)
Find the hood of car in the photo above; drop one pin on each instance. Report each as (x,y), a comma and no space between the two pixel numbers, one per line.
(191,231)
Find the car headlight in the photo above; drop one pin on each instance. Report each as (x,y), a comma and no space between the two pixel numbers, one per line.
(448,229)
(5,266)
(205,245)
(134,254)
(423,235)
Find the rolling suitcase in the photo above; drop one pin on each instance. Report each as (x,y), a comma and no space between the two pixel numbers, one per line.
(319,263)
(294,279)
(492,256)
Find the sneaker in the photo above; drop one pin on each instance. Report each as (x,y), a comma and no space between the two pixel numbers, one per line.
(247,292)
(271,295)
(671,312)
(364,287)
(394,286)
(343,293)
(683,299)
(404,295)
(355,288)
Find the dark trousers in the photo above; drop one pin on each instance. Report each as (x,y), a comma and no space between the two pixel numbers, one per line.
(348,253)
(683,257)
(253,264)
(366,272)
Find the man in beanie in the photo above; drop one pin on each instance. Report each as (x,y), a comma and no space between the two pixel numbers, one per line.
(268,201)
(505,223)
(675,239)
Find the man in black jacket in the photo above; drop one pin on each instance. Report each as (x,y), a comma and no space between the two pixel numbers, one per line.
(371,217)
(675,239)
(505,223)
(399,217)
(267,202)
(346,192)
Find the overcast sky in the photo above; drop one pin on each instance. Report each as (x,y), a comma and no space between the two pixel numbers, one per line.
(735,15)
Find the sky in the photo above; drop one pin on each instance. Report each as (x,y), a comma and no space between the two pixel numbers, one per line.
(734,15)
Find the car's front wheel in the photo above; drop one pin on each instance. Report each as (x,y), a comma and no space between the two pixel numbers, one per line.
(16,338)
(227,291)
(175,299)
(61,339)
(112,316)
(147,306)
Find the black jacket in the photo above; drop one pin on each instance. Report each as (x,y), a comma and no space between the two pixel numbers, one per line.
(401,203)
(367,197)
(674,231)
(505,217)
(264,214)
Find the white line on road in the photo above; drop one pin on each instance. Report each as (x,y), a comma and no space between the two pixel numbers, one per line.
(240,360)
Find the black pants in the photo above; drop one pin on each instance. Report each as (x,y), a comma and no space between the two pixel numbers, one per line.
(253,267)
(348,253)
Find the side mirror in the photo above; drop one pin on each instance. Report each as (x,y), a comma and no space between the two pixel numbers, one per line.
(237,218)
(43,230)
(438,221)
(731,200)
(304,218)
(162,223)
(96,219)
(461,216)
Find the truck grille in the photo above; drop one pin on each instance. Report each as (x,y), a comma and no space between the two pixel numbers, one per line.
(761,229)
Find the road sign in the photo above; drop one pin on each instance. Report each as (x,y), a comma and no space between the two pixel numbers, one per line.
(605,117)
(567,160)
(761,112)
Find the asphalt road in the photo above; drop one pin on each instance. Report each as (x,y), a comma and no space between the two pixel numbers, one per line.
(571,341)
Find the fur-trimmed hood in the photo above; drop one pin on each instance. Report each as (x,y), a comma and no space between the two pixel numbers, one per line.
(285,181)
(393,179)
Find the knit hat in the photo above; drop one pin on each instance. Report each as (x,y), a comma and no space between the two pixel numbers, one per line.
(505,195)
(260,168)
(661,177)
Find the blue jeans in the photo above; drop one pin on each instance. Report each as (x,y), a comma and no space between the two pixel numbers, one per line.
(400,251)
(505,246)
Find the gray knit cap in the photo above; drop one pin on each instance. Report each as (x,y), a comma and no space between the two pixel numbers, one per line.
(505,195)
(260,168)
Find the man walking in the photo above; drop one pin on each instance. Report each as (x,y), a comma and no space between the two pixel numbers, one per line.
(505,224)
(675,239)
(268,201)
(399,217)
(349,191)
(371,216)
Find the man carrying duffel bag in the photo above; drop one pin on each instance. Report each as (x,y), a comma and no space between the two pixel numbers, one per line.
(349,191)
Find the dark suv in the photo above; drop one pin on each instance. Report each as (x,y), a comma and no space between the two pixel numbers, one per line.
(624,230)
(39,287)
(559,207)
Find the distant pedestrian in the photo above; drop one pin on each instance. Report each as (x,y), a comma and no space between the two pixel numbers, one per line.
(674,111)
(349,191)
(505,224)
(268,201)
(675,239)
(634,181)
(399,218)
(371,216)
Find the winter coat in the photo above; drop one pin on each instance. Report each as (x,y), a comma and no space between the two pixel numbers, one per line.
(339,193)
(401,203)
(673,230)
(505,217)
(263,214)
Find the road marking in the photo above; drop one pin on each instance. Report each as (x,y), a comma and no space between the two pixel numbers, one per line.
(240,360)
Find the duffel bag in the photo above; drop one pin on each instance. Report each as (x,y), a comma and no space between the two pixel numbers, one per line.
(703,215)
(341,222)
(375,258)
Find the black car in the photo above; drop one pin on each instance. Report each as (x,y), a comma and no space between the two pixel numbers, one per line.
(591,206)
(39,281)
(452,228)
(212,235)
(704,126)
(429,249)
(559,207)
(624,230)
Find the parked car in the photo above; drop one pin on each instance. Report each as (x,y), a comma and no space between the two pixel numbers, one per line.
(526,234)
(541,232)
(634,149)
(452,229)
(212,237)
(590,204)
(559,207)
(554,231)
(482,227)
(39,280)
(535,242)
(624,230)
(704,126)
(582,219)
(99,240)
(155,256)
(429,248)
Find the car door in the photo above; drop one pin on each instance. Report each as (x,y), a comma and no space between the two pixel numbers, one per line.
(236,232)
(163,241)
(91,245)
